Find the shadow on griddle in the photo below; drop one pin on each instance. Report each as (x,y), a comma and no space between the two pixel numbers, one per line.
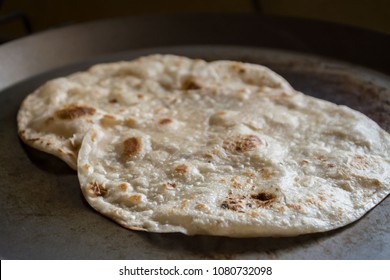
(217,247)
(46,162)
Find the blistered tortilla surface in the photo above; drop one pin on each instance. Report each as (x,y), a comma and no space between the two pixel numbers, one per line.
(240,162)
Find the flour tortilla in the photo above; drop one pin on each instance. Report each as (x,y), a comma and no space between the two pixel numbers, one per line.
(242,165)
(55,118)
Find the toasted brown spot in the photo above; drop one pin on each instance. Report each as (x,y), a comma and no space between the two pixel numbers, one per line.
(184,203)
(209,155)
(242,143)
(376,182)
(165,121)
(264,196)
(132,146)
(370,182)
(134,199)
(109,120)
(280,96)
(234,178)
(235,181)
(86,166)
(181,168)
(242,94)
(130,122)
(109,117)
(140,96)
(250,81)
(320,157)
(263,199)
(249,174)
(245,202)
(170,185)
(254,214)
(212,154)
(322,198)
(97,189)
(201,206)
(238,68)
(122,187)
(75,111)
(113,100)
(294,206)
(190,83)
(360,162)
(266,173)
(312,201)
(233,203)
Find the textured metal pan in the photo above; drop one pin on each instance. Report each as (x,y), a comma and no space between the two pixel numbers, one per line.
(43,214)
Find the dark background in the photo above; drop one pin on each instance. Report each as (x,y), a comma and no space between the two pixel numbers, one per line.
(20,17)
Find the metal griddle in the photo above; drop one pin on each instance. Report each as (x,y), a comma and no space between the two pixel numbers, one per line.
(42,212)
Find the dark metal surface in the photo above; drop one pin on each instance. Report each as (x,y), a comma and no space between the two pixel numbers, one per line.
(42,211)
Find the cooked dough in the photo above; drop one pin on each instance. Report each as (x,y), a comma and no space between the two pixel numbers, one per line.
(217,164)
(56,116)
